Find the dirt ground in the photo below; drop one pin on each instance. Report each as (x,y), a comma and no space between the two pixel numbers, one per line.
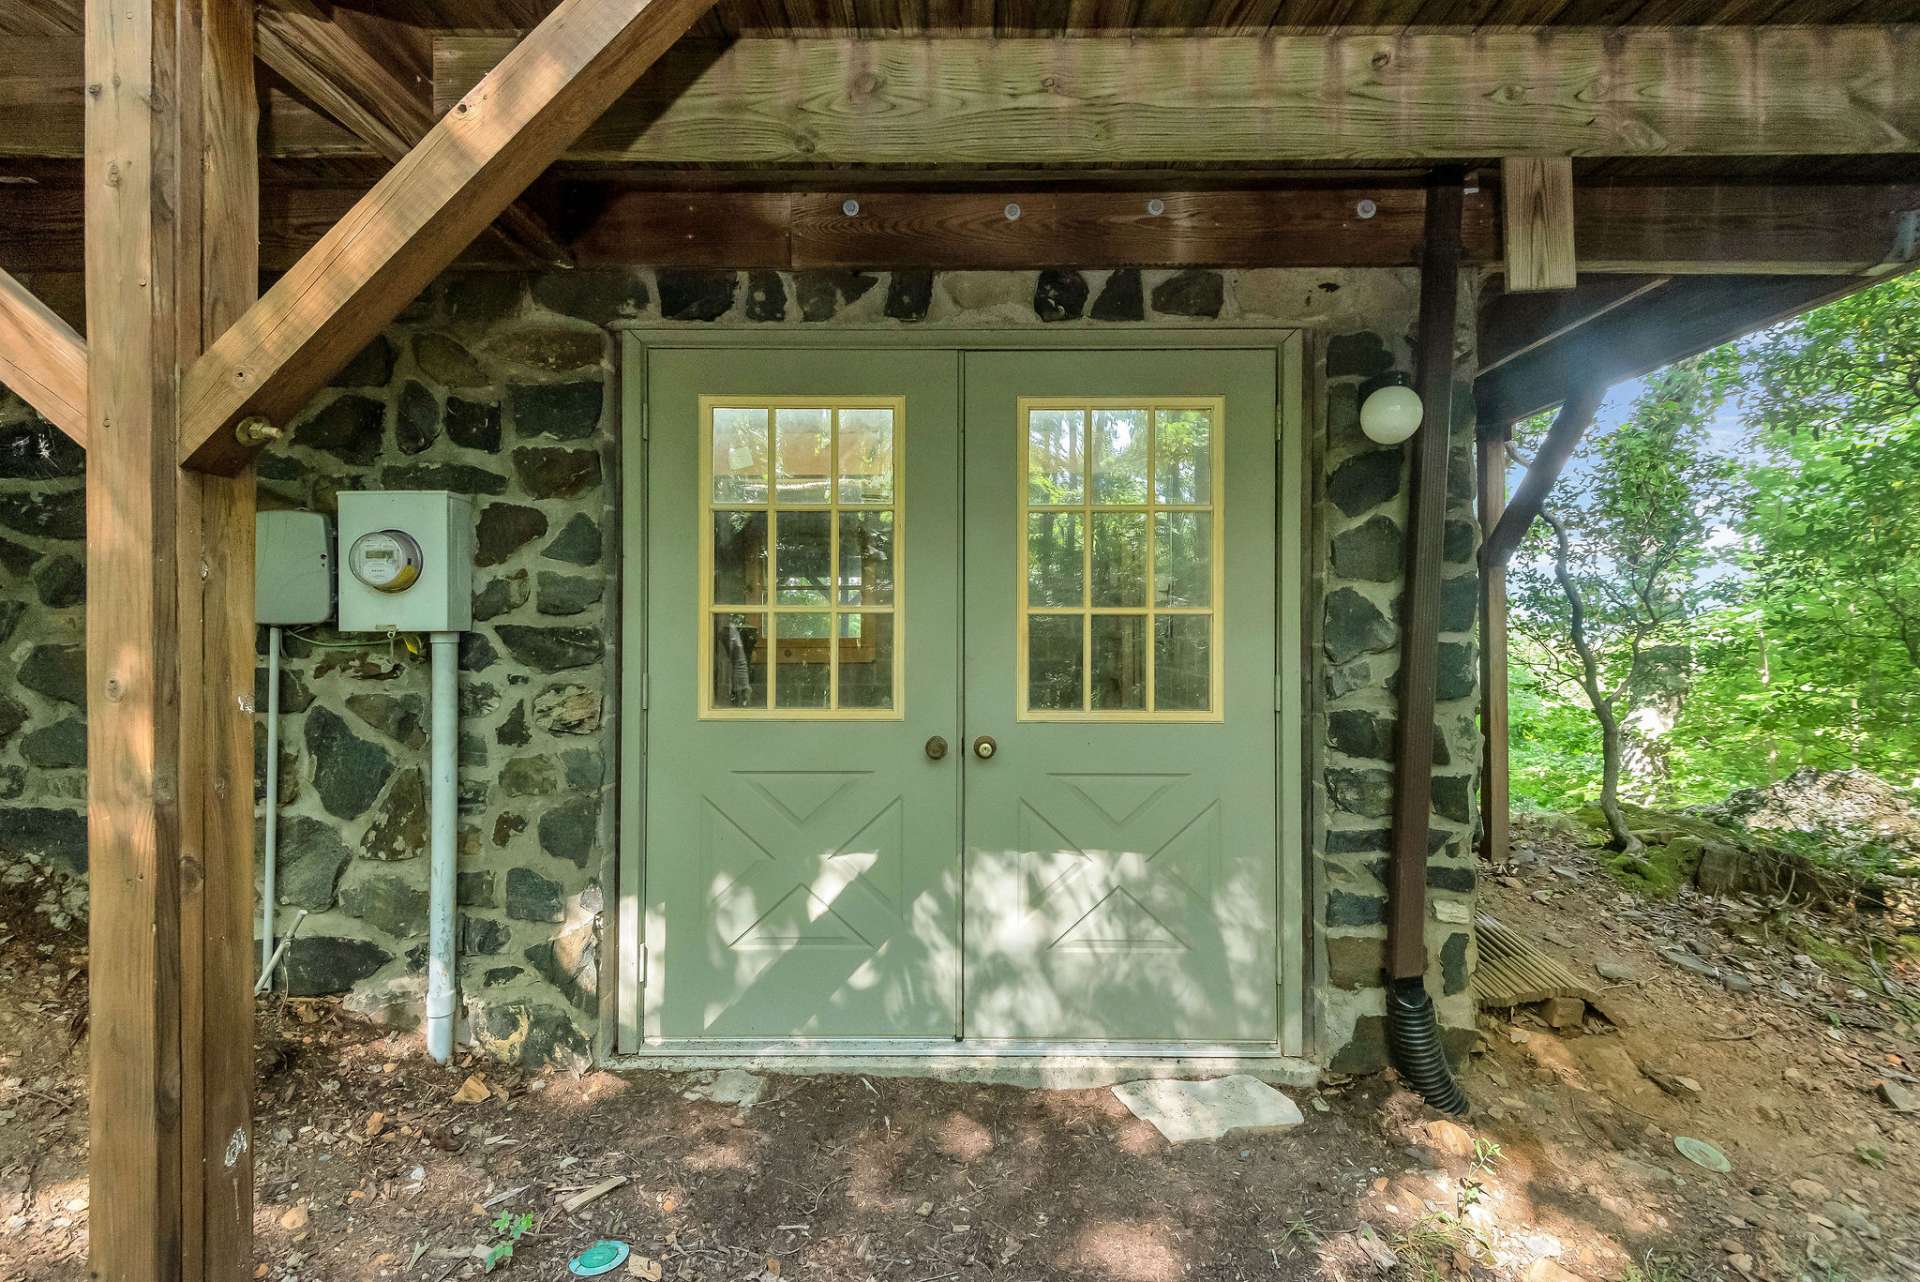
(372,1164)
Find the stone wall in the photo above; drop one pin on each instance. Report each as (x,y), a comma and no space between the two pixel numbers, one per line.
(502,386)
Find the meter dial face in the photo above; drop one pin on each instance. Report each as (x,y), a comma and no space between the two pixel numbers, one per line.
(385,560)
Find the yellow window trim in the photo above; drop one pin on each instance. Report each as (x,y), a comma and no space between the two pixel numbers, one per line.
(1086,508)
(710,609)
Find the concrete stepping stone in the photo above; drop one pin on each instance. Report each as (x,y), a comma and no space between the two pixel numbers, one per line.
(1184,1111)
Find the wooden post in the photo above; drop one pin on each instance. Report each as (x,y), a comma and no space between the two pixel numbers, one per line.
(1495,799)
(1420,606)
(170,222)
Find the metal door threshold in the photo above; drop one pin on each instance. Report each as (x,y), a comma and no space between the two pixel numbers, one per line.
(1054,1065)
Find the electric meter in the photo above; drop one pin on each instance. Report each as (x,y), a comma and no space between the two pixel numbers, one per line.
(385,560)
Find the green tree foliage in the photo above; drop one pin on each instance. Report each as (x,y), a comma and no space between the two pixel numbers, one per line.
(1618,568)
(1804,649)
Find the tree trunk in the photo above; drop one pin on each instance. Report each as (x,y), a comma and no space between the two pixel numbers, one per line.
(1610,745)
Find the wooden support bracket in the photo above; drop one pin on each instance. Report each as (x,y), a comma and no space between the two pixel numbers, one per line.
(43,359)
(1548,462)
(1536,200)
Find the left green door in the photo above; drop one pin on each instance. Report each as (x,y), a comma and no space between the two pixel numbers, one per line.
(802,862)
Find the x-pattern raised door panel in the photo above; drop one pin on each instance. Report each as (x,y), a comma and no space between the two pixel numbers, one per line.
(1121,848)
(802,872)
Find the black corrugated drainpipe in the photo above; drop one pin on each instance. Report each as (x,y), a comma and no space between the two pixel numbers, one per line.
(1413,1035)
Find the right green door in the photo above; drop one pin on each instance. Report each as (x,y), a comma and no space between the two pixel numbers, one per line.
(1119,674)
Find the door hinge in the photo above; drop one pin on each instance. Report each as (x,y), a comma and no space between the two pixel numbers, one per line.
(646,963)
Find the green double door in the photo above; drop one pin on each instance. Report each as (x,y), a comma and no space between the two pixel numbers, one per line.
(960,713)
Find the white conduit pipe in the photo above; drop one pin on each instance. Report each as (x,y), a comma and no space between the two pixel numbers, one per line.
(440,876)
(270,857)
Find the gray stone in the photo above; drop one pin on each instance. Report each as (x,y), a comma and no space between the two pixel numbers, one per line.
(1374,550)
(461,478)
(475,300)
(50,514)
(392,905)
(1458,545)
(474,889)
(400,830)
(578,542)
(482,936)
(585,768)
(476,652)
(13,715)
(60,746)
(551,649)
(1617,972)
(505,528)
(1060,296)
(1459,602)
(822,293)
(1448,877)
(533,1034)
(735,1086)
(352,428)
(1345,909)
(501,596)
(766,297)
(348,771)
(1365,481)
(909,295)
(1348,677)
(56,671)
(39,451)
(1361,734)
(61,581)
(56,837)
(416,421)
(1453,965)
(697,295)
(500,976)
(1357,355)
(295,697)
(1361,792)
(557,411)
(598,296)
(530,777)
(1356,626)
(571,964)
(478,699)
(554,348)
(446,362)
(1453,797)
(10,615)
(371,367)
(311,857)
(571,830)
(1459,672)
(473,425)
(565,594)
(1357,840)
(398,716)
(531,897)
(550,473)
(13,783)
(1356,961)
(1195,292)
(473,751)
(320,965)
(1207,1110)
(1121,298)
(568,708)
(513,732)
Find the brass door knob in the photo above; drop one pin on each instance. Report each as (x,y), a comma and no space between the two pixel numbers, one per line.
(984,747)
(936,748)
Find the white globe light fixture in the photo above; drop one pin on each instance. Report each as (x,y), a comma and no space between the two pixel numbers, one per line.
(1391,414)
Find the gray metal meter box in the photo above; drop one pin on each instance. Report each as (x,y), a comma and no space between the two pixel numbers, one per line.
(292,567)
(406,561)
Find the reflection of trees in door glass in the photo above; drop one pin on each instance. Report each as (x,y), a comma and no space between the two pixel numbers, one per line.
(1055,662)
(1119,662)
(739,661)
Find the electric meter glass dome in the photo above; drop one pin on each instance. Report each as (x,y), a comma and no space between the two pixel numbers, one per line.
(385,560)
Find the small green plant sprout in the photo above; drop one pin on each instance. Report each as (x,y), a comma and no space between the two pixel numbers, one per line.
(1655,1270)
(508,1229)
(1486,1155)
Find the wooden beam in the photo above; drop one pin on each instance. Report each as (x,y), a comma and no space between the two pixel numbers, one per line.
(1513,324)
(418,218)
(1420,604)
(42,359)
(1840,229)
(1548,462)
(1536,201)
(1735,91)
(320,58)
(1496,798)
(1682,319)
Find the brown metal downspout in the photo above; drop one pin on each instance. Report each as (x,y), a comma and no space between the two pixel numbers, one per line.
(1420,606)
